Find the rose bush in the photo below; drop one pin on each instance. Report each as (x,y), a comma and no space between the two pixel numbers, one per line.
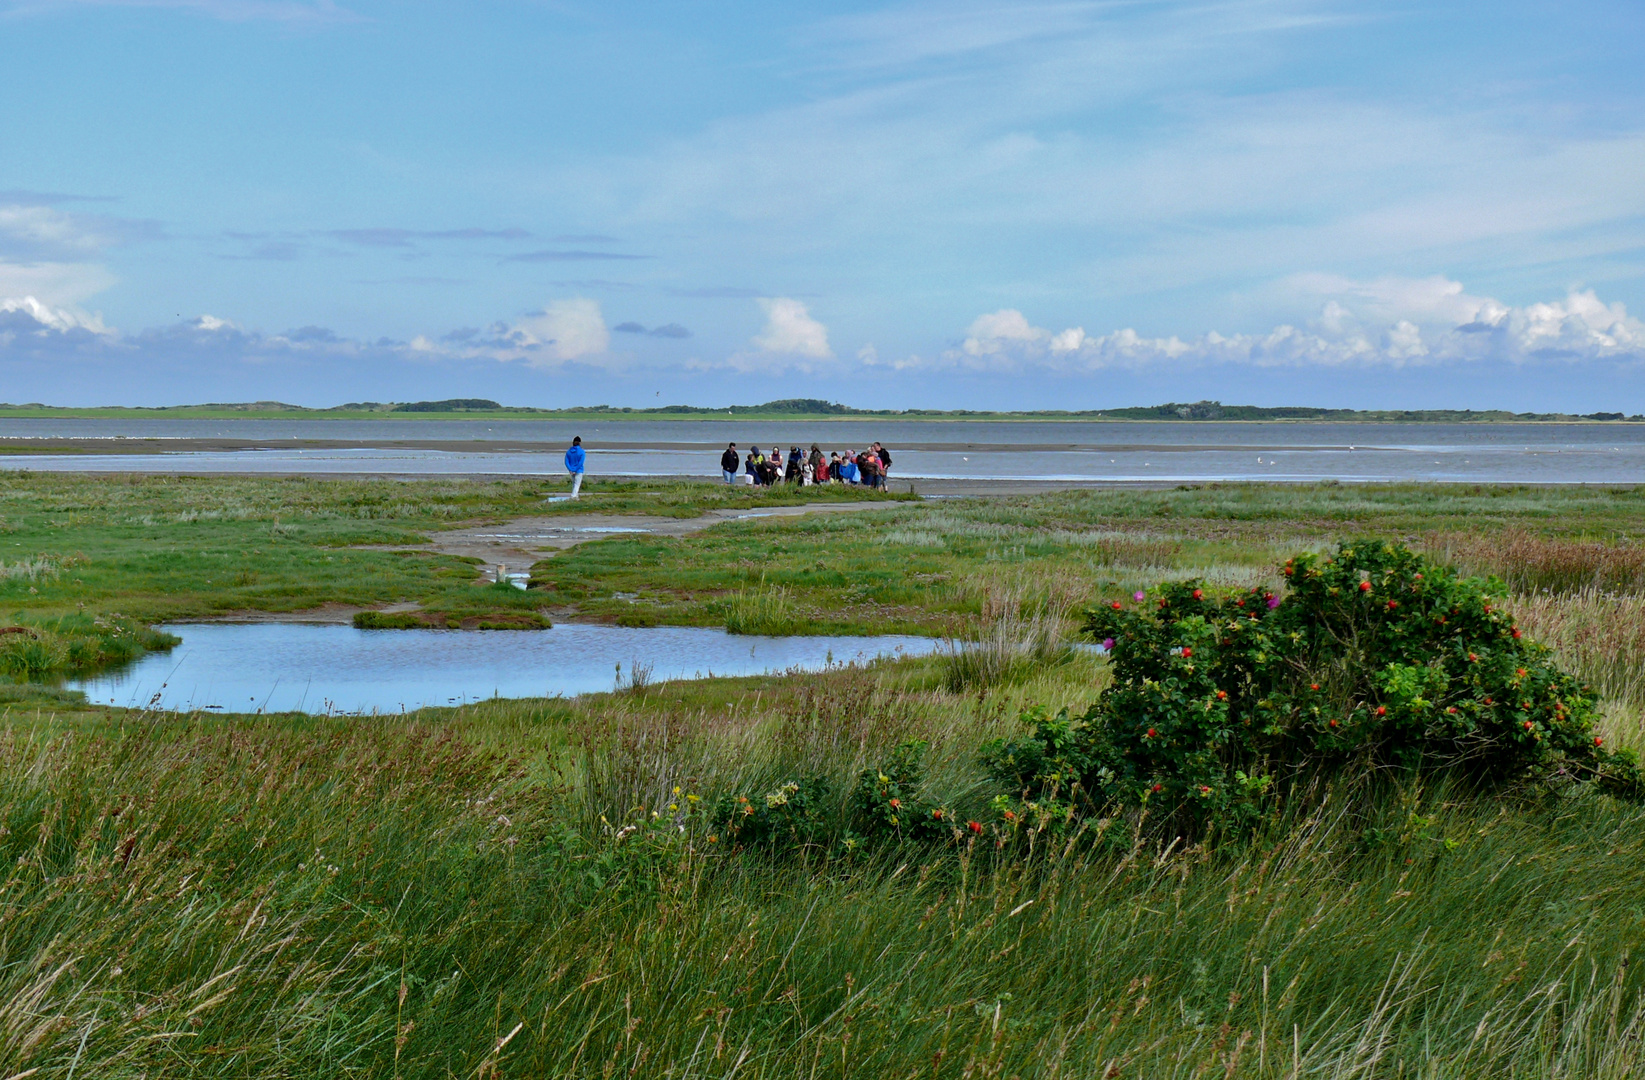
(1372,659)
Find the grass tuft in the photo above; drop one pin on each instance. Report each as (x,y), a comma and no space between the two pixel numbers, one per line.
(766,610)
(1013,635)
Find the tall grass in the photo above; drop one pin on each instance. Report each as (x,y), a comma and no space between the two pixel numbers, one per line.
(416,899)
(35,568)
(1532,563)
(1600,636)
(765,610)
(1015,632)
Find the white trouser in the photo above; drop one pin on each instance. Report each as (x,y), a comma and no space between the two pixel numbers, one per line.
(576,483)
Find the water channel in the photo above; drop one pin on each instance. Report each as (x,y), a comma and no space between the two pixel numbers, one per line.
(944,450)
(329,670)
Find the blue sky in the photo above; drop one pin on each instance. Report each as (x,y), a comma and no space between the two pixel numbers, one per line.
(1034,205)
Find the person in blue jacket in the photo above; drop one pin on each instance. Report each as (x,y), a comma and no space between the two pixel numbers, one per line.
(574,459)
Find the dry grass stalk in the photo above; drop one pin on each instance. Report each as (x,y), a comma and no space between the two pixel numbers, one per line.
(1531,563)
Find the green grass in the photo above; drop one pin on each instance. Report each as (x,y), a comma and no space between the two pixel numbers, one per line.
(153,549)
(438,896)
(486,891)
(928,568)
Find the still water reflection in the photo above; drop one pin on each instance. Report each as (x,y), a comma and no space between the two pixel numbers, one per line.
(338,669)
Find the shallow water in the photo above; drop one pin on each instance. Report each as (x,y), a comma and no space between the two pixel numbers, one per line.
(946,450)
(281,667)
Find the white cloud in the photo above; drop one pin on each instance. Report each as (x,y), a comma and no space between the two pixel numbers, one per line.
(1388,322)
(1069,340)
(791,331)
(48,319)
(1003,331)
(564,330)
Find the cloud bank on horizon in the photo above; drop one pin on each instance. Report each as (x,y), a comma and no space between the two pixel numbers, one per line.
(911,204)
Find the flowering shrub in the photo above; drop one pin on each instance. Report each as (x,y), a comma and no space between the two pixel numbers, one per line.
(885,805)
(1373,658)
(793,817)
(887,802)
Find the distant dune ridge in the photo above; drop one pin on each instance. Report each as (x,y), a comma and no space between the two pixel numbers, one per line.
(816,407)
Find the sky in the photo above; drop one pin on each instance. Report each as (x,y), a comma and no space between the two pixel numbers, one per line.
(956,204)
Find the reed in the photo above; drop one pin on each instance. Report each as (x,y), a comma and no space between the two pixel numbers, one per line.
(1533,563)
(765,610)
(1015,632)
(1600,636)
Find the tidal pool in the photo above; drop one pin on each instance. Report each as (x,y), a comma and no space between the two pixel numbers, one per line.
(281,667)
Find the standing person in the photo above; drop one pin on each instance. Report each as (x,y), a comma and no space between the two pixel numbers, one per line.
(575,457)
(885,460)
(869,465)
(728,463)
(818,465)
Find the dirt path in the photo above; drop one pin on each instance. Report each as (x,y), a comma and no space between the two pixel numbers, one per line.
(520,542)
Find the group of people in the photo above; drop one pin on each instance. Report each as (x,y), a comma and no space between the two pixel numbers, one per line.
(868,467)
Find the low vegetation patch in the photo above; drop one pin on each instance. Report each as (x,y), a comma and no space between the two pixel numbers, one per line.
(46,648)
(440,620)
(403,620)
(770,611)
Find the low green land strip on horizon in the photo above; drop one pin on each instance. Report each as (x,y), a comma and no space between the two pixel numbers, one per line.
(790,409)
